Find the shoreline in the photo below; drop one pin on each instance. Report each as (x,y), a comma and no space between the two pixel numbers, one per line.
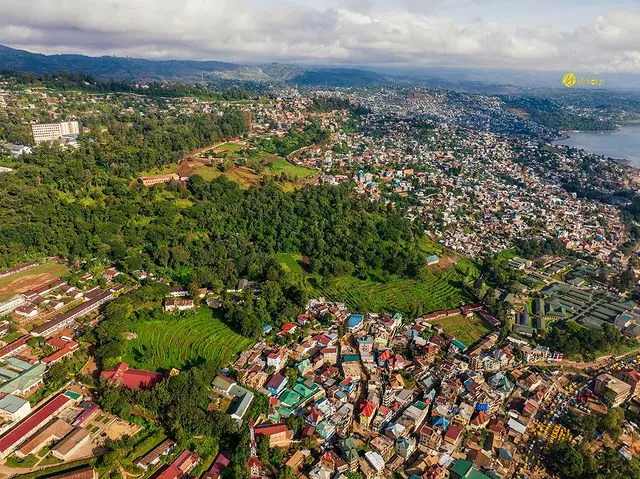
(629,161)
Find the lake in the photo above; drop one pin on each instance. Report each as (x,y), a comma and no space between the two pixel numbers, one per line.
(620,144)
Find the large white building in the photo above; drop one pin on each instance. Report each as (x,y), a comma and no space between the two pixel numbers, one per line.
(12,303)
(13,408)
(54,131)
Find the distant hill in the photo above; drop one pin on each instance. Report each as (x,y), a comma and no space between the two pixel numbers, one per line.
(137,69)
(478,80)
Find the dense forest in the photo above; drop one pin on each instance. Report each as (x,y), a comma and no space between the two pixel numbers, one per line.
(81,203)
(573,339)
(325,104)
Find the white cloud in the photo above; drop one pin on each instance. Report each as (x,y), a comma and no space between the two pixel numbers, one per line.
(355,31)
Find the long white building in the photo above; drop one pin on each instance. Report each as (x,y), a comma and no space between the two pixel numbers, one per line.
(54,131)
(12,303)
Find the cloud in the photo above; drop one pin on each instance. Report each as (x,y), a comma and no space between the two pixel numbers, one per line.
(400,33)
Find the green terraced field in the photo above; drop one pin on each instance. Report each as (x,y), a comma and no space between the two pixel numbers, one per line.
(442,289)
(176,342)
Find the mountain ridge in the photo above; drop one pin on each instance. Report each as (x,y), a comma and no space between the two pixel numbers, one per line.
(108,67)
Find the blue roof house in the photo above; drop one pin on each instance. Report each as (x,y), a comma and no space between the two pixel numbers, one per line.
(355,321)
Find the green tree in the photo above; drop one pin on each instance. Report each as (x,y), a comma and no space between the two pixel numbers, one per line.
(611,422)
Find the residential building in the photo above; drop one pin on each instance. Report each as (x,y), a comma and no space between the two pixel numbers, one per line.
(71,444)
(278,434)
(158,179)
(14,408)
(613,390)
(54,131)
(179,468)
(177,304)
(154,456)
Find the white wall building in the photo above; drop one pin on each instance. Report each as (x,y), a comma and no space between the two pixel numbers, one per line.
(54,131)
(13,408)
(12,303)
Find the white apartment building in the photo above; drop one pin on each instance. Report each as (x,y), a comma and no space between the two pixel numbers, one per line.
(54,131)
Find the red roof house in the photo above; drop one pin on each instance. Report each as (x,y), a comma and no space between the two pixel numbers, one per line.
(184,463)
(131,378)
(288,328)
(219,465)
(278,434)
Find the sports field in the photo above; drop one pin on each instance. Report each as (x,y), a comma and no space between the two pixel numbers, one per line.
(30,279)
(177,341)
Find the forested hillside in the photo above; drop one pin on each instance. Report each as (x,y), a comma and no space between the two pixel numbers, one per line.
(80,203)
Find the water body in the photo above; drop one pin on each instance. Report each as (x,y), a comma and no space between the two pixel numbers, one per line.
(623,144)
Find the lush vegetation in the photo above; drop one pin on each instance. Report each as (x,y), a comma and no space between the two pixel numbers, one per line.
(179,405)
(329,103)
(579,461)
(571,462)
(295,139)
(535,248)
(575,340)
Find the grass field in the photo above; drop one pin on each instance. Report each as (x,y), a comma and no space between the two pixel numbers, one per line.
(507,254)
(467,330)
(229,148)
(291,170)
(30,279)
(291,263)
(177,341)
(440,290)
(165,170)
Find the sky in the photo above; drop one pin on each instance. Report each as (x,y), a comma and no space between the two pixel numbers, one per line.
(570,35)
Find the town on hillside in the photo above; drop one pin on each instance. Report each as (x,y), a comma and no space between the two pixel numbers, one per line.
(318,283)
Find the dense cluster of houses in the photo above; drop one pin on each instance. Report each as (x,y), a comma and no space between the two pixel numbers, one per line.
(414,398)
(471,187)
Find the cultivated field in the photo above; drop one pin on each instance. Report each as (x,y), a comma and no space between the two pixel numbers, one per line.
(440,290)
(439,287)
(202,162)
(30,279)
(176,342)
(467,330)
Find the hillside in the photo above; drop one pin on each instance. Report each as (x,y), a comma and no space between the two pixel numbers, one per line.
(138,69)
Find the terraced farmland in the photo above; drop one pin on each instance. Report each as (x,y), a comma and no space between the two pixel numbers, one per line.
(175,341)
(441,289)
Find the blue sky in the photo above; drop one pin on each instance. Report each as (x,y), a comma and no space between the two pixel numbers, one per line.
(588,36)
